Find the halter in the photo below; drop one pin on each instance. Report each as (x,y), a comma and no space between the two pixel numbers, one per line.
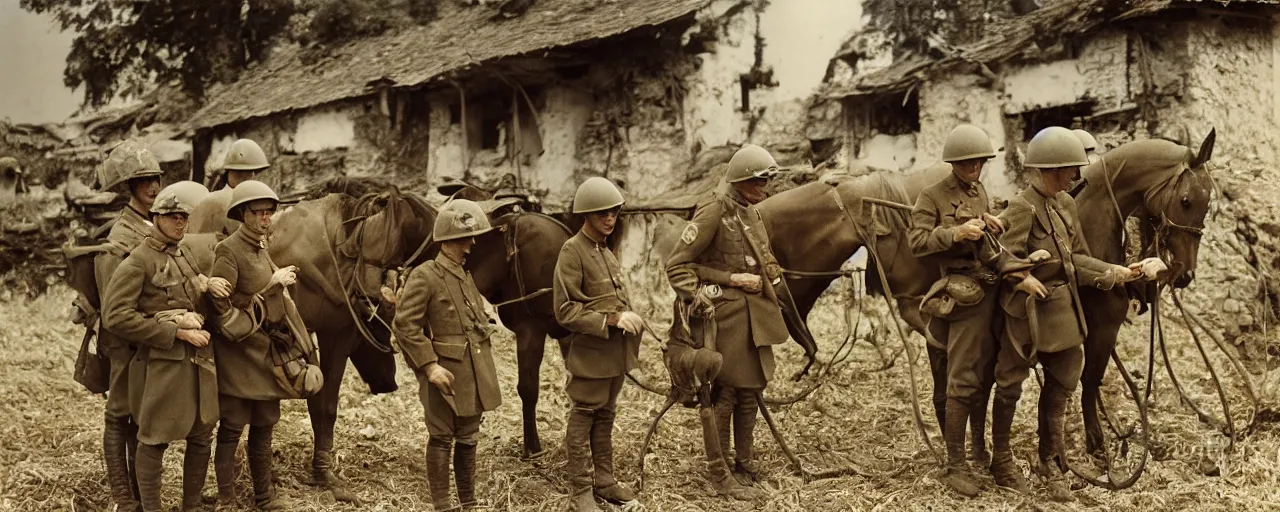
(1161,223)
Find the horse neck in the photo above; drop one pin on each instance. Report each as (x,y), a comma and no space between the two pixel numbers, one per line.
(1104,210)
(808,229)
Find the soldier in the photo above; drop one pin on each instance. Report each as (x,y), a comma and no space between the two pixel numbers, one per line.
(1042,223)
(723,256)
(156,301)
(132,169)
(604,344)
(264,351)
(442,327)
(1090,145)
(243,161)
(950,224)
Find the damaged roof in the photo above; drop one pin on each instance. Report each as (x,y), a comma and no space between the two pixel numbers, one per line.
(459,39)
(1010,40)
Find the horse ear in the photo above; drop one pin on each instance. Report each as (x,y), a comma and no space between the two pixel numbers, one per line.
(1206,149)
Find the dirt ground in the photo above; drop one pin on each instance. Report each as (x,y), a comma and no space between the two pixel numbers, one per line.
(51,459)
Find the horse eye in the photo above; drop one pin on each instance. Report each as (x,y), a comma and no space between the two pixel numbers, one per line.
(1186,203)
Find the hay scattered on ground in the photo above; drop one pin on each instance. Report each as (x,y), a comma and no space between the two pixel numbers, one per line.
(50,436)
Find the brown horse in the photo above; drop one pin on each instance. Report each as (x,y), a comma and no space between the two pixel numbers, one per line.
(1168,187)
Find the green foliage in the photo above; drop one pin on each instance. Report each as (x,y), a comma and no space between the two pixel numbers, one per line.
(339,21)
(909,24)
(122,48)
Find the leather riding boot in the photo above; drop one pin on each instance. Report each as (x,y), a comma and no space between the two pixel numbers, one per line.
(114,453)
(438,453)
(606,485)
(150,464)
(195,470)
(1003,468)
(978,428)
(726,401)
(259,451)
(717,464)
(745,412)
(464,473)
(131,455)
(1053,399)
(957,475)
(224,471)
(577,445)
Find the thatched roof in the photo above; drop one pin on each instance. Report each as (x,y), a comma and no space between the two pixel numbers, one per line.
(460,39)
(1013,40)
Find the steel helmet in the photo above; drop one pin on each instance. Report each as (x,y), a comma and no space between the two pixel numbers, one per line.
(1055,147)
(8,162)
(246,192)
(245,155)
(596,194)
(460,218)
(967,142)
(180,197)
(127,161)
(750,162)
(1089,142)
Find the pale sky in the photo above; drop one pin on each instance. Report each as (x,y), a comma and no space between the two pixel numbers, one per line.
(801,36)
(32,55)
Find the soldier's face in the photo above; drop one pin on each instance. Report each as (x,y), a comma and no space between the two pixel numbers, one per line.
(172,225)
(1059,179)
(144,190)
(969,171)
(752,190)
(603,223)
(257,215)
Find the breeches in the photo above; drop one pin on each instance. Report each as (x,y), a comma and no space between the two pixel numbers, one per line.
(595,394)
(971,347)
(243,411)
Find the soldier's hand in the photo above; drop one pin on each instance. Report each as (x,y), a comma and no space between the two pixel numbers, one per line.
(219,288)
(749,283)
(971,230)
(1149,268)
(630,323)
(196,337)
(1038,256)
(442,378)
(1122,274)
(190,320)
(285,276)
(993,223)
(1032,286)
(201,282)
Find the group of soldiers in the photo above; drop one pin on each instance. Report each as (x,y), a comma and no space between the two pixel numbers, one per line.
(196,343)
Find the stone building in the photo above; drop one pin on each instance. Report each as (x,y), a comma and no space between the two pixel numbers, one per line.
(1123,71)
(568,89)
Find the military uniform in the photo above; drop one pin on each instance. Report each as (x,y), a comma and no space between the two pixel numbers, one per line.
(966,332)
(128,231)
(725,237)
(248,391)
(440,298)
(589,292)
(172,384)
(211,214)
(1052,329)
(440,319)
(1033,222)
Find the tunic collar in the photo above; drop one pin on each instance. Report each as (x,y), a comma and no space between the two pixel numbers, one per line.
(452,266)
(963,186)
(257,242)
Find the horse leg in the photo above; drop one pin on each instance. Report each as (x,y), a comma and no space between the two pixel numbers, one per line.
(1098,346)
(531,340)
(323,409)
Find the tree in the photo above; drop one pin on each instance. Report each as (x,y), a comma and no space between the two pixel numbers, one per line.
(915,25)
(123,47)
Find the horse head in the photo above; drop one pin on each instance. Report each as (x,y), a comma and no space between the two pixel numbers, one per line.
(1178,209)
(388,228)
